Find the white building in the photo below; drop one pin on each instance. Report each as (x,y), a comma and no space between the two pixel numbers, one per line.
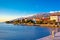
(55,17)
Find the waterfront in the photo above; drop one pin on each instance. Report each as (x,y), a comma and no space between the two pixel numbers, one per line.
(19,32)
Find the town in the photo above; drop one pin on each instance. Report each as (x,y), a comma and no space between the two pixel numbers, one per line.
(50,19)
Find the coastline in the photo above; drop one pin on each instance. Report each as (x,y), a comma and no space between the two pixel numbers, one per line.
(41,25)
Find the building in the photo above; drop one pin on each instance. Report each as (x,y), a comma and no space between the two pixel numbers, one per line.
(25,19)
(37,19)
(55,16)
(34,20)
(45,18)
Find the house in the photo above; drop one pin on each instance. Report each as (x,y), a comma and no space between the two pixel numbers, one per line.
(34,20)
(45,18)
(25,19)
(37,19)
(55,16)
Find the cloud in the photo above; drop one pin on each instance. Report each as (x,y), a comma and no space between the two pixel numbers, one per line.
(53,11)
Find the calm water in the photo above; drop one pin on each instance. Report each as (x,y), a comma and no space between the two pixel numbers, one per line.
(18,32)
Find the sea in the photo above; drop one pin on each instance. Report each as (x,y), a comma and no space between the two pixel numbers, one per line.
(22,32)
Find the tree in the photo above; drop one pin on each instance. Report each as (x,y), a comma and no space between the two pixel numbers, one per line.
(8,22)
(30,21)
(54,21)
(23,21)
(16,21)
(41,22)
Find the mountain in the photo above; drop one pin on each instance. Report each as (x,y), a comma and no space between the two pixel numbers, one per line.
(39,15)
(56,13)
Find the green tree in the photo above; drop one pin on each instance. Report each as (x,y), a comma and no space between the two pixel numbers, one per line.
(8,22)
(41,22)
(30,21)
(23,20)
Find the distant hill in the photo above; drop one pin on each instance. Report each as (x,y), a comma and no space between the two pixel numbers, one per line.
(39,15)
(56,13)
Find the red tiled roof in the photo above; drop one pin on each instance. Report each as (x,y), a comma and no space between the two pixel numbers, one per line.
(45,19)
(55,14)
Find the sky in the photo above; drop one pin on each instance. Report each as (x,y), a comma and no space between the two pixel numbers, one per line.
(11,9)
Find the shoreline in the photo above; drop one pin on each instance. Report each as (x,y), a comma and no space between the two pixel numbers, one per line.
(41,25)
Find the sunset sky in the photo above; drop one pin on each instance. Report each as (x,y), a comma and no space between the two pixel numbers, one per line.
(11,9)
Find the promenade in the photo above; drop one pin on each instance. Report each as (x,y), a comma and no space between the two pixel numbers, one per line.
(57,37)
